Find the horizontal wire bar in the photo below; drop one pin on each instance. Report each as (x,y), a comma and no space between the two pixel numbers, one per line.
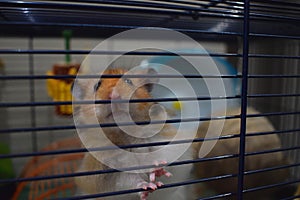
(103,125)
(125,53)
(271,95)
(37,178)
(88,173)
(71,175)
(183,5)
(57,152)
(193,12)
(270,186)
(49,51)
(22,77)
(274,16)
(47,103)
(218,196)
(131,6)
(84,7)
(170,185)
(273,76)
(166,186)
(272,56)
(134,191)
(267,5)
(151,144)
(229,136)
(276,2)
(151,8)
(46,128)
(170,121)
(204,10)
(141,6)
(271,169)
(273,114)
(203,4)
(39,77)
(274,36)
(105,26)
(141,145)
(142,53)
(54,152)
(274,9)
(272,151)
(273,132)
(258,12)
(106,194)
(110,170)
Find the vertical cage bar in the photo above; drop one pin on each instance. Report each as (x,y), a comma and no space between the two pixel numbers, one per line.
(244,100)
(32,96)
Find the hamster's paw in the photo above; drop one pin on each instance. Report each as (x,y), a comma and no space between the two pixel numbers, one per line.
(158,172)
(145,186)
(153,184)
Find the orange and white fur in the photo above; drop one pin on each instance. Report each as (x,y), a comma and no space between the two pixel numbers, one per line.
(151,179)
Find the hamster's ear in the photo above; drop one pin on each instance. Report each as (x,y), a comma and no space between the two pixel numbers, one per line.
(151,80)
(148,82)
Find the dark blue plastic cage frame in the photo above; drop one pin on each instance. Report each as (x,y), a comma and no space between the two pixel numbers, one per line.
(247,20)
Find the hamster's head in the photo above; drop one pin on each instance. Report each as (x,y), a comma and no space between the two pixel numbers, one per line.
(116,89)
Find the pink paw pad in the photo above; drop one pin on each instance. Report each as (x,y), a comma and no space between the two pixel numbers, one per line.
(145,186)
(158,172)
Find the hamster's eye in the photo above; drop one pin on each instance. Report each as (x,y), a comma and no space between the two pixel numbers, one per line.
(128,81)
(97,85)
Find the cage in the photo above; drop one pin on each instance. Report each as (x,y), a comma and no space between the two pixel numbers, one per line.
(255,45)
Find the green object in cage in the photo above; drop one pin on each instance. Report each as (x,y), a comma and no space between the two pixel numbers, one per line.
(6,172)
(6,166)
(67,36)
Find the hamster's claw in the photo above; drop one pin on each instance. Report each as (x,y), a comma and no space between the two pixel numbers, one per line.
(158,172)
(153,184)
(145,186)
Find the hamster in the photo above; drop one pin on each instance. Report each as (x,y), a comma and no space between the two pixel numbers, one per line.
(148,179)
(254,162)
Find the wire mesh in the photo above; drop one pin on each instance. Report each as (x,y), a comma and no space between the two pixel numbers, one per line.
(261,39)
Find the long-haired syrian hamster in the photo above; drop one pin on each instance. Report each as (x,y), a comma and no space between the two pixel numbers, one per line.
(123,88)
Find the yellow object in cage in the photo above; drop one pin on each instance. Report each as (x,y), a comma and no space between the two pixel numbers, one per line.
(177,105)
(60,91)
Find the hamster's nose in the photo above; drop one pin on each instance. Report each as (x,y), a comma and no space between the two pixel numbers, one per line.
(114,95)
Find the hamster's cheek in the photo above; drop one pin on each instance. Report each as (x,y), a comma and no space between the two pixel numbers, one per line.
(102,111)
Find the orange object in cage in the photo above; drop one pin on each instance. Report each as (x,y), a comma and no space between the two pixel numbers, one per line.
(60,89)
(40,166)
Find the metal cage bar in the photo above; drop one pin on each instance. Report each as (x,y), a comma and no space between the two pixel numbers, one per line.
(245,22)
